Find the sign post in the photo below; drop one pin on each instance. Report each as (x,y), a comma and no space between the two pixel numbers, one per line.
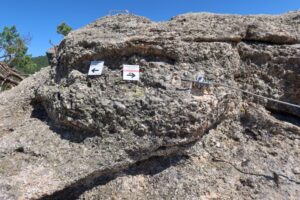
(96,68)
(131,72)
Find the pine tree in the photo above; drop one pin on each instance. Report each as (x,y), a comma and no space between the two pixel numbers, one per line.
(63,29)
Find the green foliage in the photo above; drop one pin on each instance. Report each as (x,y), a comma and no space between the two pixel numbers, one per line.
(11,44)
(41,61)
(13,51)
(25,65)
(63,29)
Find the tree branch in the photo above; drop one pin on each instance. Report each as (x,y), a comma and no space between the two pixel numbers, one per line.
(9,80)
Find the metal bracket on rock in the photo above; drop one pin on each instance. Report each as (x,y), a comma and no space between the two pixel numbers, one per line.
(202,82)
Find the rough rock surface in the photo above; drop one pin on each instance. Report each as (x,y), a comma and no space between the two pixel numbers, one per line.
(64,135)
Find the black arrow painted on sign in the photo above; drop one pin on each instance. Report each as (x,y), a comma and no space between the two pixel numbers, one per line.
(94,70)
(131,74)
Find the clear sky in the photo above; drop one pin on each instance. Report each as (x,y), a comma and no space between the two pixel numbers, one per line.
(39,18)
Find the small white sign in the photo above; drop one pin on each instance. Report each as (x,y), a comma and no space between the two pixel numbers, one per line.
(131,72)
(96,68)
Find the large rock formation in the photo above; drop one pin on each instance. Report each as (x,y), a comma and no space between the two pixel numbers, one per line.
(65,135)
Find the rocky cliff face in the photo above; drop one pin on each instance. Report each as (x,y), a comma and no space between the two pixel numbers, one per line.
(65,135)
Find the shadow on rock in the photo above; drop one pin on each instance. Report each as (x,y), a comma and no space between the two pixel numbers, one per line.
(40,113)
(151,166)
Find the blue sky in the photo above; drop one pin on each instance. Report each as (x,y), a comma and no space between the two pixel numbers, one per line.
(39,18)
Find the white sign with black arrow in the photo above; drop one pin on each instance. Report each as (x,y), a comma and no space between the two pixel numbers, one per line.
(131,72)
(96,68)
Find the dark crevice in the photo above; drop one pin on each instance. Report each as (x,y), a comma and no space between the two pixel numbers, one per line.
(38,111)
(266,42)
(285,116)
(27,152)
(20,150)
(89,84)
(151,166)
(252,134)
(212,40)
